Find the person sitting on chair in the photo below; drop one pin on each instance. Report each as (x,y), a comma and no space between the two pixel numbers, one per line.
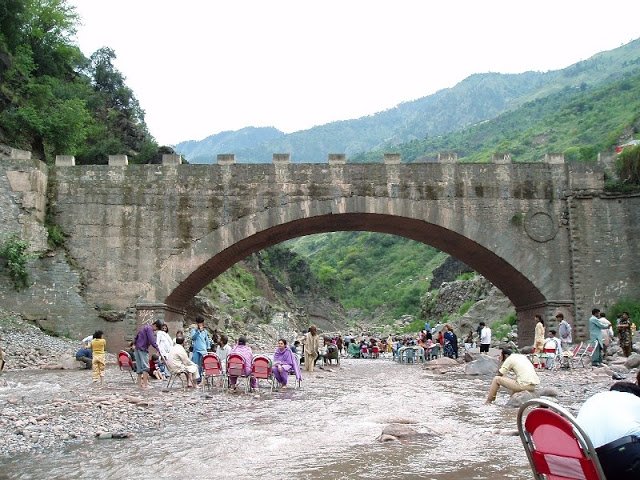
(246,353)
(178,362)
(611,419)
(284,361)
(526,376)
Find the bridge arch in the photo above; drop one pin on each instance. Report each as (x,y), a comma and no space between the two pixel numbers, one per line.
(492,253)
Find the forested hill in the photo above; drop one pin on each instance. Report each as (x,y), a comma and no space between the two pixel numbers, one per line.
(478,98)
(579,122)
(54,100)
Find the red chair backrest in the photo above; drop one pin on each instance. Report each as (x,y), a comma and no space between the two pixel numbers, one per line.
(235,365)
(261,367)
(211,364)
(576,349)
(557,452)
(375,350)
(124,361)
(549,350)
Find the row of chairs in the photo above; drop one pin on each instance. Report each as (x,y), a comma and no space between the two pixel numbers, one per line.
(578,355)
(215,374)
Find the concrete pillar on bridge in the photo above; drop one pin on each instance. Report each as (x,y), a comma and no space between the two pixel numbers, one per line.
(337,159)
(281,158)
(171,159)
(554,158)
(392,159)
(65,161)
(447,157)
(150,312)
(226,159)
(501,158)
(118,160)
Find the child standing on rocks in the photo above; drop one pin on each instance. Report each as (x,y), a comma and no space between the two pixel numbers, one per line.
(98,346)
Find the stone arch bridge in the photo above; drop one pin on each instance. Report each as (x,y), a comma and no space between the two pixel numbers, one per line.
(152,236)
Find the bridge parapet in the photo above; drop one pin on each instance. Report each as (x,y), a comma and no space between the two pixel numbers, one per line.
(337,159)
(226,159)
(118,160)
(447,157)
(171,159)
(554,158)
(65,161)
(392,159)
(501,158)
(281,158)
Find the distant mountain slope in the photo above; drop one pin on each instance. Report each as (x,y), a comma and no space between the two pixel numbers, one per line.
(205,151)
(579,122)
(476,99)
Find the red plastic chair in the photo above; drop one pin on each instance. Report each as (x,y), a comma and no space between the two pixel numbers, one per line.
(125,363)
(375,352)
(556,446)
(236,368)
(212,369)
(261,370)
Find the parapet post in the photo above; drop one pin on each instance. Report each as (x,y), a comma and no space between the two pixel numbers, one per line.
(65,161)
(501,158)
(448,157)
(171,159)
(118,160)
(16,154)
(225,159)
(554,158)
(392,159)
(337,159)
(281,158)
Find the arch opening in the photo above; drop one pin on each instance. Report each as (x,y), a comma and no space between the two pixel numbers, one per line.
(516,286)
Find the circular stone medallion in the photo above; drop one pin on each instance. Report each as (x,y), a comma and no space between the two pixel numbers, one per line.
(540,226)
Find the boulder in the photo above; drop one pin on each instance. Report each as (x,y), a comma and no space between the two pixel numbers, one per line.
(70,363)
(548,392)
(399,431)
(483,365)
(442,362)
(517,399)
(633,361)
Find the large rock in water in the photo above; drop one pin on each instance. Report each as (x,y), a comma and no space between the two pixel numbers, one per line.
(399,431)
(517,399)
(483,365)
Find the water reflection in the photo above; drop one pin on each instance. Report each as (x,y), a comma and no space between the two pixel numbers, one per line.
(326,430)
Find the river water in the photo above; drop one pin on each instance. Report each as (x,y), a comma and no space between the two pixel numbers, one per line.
(325,430)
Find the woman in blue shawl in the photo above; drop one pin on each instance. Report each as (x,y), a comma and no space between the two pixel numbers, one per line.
(283,362)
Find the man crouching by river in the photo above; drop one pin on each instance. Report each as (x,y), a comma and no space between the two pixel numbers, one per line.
(526,376)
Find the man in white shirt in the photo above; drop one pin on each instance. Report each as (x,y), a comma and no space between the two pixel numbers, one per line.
(485,338)
(526,376)
(612,422)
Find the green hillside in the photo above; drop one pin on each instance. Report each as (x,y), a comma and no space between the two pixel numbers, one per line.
(579,122)
(380,275)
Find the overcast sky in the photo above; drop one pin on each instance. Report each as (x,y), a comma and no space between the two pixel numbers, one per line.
(200,67)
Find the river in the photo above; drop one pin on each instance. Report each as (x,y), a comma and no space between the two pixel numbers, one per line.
(326,430)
